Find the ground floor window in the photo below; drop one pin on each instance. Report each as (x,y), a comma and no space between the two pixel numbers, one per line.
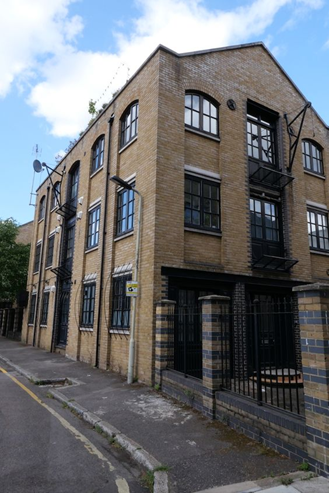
(88,305)
(120,303)
(44,308)
(32,309)
(318,230)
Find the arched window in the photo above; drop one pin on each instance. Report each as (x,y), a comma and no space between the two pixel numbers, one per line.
(312,157)
(42,208)
(98,154)
(73,185)
(201,113)
(129,124)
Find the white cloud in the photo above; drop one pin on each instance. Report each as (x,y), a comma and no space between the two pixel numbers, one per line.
(29,30)
(68,75)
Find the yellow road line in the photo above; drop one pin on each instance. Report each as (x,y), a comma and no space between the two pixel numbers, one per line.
(121,483)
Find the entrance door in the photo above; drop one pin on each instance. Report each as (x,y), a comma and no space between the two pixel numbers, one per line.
(64,306)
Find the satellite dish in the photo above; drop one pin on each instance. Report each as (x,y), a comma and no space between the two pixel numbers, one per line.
(37,166)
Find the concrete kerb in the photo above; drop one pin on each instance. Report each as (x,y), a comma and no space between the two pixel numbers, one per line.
(161,483)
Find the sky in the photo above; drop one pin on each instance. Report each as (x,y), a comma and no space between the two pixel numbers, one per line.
(57,55)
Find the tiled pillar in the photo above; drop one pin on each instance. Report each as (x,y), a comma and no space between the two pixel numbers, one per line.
(313,304)
(215,348)
(164,337)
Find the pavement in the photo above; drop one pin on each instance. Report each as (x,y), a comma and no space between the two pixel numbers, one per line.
(187,452)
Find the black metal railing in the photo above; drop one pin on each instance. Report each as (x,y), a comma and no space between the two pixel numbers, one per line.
(264,360)
(188,341)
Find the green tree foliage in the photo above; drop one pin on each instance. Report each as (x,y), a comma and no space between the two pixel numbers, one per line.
(14,261)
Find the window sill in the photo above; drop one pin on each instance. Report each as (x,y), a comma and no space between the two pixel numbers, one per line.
(203,231)
(119,331)
(316,175)
(318,252)
(202,134)
(86,329)
(48,267)
(92,249)
(128,144)
(54,209)
(43,326)
(96,171)
(40,220)
(30,325)
(131,233)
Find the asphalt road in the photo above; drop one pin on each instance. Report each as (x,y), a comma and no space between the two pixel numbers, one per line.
(46,449)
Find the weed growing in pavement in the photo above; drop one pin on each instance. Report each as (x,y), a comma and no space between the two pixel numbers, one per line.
(64,405)
(49,395)
(308,477)
(157,387)
(304,466)
(161,468)
(286,481)
(147,479)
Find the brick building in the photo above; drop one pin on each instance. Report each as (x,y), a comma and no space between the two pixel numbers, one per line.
(230,160)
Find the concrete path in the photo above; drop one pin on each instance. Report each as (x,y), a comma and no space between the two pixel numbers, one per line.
(180,445)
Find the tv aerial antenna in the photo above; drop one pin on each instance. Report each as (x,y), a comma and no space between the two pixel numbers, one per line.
(36,151)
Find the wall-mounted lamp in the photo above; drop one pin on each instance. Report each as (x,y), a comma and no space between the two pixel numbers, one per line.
(79,215)
(80,200)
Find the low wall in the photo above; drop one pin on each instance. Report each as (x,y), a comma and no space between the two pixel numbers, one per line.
(279,430)
(188,390)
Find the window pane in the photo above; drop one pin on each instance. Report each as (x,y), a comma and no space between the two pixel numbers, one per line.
(188,115)
(195,119)
(195,187)
(188,100)
(206,124)
(195,217)
(196,100)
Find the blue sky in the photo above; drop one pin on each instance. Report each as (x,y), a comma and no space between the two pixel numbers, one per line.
(57,55)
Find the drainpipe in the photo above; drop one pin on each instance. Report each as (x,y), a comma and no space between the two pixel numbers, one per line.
(41,267)
(101,288)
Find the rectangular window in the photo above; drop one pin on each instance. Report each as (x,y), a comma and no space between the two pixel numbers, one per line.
(261,134)
(125,217)
(37,258)
(50,251)
(318,230)
(202,204)
(93,227)
(32,309)
(264,220)
(88,305)
(70,241)
(120,303)
(98,154)
(44,308)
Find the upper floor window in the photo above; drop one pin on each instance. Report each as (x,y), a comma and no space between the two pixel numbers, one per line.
(201,114)
(98,154)
(93,226)
(70,233)
(55,198)
(129,124)
(88,305)
(125,214)
(264,220)
(312,157)
(202,204)
(42,208)
(318,230)
(50,251)
(74,185)
(37,258)
(261,134)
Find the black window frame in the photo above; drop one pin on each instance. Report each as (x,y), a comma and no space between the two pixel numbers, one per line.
(88,305)
(73,190)
(129,124)
(265,220)
(315,238)
(98,154)
(56,193)
(121,305)
(44,308)
(192,195)
(194,109)
(42,208)
(32,308)
(94,215)
(312,156)
(37,258)
(50,250)
(262,128)
(125,211)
